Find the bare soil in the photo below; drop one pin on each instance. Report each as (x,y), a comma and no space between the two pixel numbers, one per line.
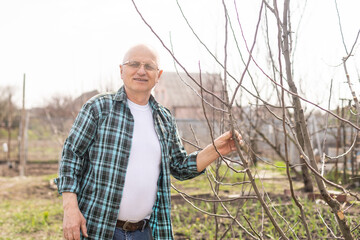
(32,169)
(13,187)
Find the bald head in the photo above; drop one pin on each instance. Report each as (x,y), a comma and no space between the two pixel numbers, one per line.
(142,49)
(140,73)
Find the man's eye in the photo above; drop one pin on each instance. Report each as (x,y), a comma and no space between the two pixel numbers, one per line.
(149,67)
(134,64)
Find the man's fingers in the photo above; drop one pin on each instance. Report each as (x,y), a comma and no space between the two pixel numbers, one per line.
(72,233)
(227,135)
(238,138)
(68,235)
(83,228)
(73,222)
(76,233)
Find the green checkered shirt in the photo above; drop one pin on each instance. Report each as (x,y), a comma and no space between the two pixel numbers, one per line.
(95,158)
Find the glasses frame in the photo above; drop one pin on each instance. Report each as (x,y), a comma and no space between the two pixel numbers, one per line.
(142,64)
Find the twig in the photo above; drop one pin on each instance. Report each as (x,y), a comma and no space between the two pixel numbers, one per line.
(225,158)
(183,194)
(250,225)
(352,230)
(203,211)
(345,153)
(250,51)
(227,184)
(201,42)
(227,211)
(188,85)
(331,232)
(352,48)
(193,132)
(295,94)
(286,45)
(342,35)
(172,55)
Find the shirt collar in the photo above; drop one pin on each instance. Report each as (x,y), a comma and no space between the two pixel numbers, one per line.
(121,97)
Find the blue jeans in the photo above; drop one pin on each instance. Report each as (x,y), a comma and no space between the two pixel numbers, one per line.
(136,235)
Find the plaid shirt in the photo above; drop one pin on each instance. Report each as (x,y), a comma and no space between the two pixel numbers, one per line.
(95,158)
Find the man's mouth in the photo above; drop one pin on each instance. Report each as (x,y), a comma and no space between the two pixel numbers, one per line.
(140,79)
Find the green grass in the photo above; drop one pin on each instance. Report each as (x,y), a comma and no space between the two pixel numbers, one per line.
(200,185)
(4,133)
(188,221)
(39,216)
(29,209)
(30,216)
(278,166)
(31,219)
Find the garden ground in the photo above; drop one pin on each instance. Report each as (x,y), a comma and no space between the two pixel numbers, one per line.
(30,208)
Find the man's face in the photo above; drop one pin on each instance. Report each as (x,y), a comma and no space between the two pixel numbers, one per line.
(139,72)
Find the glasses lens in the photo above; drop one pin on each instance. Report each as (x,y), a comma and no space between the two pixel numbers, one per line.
(149,67)
(136,64)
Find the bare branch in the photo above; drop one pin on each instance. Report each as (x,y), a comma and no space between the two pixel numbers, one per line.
(342,35)
(173,56)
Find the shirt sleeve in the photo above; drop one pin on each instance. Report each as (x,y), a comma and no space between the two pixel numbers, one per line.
(182,165)
(75,149)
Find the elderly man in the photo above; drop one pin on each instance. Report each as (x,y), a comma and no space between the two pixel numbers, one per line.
(116,162)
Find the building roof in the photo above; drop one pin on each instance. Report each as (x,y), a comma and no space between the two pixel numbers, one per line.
(179,90)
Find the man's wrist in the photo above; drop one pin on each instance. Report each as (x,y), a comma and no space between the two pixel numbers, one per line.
(69,200)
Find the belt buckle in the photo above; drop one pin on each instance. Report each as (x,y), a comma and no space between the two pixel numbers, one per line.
(144,225)
(128,224)
(125,225)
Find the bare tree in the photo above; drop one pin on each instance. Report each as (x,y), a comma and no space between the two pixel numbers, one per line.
(291,116)
(9,118)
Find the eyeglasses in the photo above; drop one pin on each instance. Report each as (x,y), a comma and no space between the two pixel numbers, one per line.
(136,65)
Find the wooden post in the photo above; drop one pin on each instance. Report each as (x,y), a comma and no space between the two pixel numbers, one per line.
(357,147)
(354,150)
(22,136)
(8,156)
(338,144)
(343,128)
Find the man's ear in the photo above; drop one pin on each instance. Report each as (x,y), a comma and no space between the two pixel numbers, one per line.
(121,70)
(159,75)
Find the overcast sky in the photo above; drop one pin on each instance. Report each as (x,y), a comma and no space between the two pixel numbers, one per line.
(68,47)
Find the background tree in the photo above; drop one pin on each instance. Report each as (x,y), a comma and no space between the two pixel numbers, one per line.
(291,117)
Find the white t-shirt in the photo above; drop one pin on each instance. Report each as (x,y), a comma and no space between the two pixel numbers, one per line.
(143,169)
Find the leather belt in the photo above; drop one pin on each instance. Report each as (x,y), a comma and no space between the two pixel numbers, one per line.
(132,226)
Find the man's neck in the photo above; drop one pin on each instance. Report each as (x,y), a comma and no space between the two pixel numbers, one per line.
(140,99)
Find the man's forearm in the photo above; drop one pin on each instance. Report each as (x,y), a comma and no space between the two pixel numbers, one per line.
(205,157)
(225,144)
(69,200)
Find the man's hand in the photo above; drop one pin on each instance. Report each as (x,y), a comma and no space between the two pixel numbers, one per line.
(225,144)
(73,220)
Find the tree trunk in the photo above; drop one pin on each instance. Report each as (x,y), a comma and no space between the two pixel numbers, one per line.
(308,186)
(334,204)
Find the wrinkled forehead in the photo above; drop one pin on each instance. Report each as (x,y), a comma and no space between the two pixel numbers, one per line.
(141,52)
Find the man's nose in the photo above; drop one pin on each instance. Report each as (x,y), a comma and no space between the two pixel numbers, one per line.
(141,70)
